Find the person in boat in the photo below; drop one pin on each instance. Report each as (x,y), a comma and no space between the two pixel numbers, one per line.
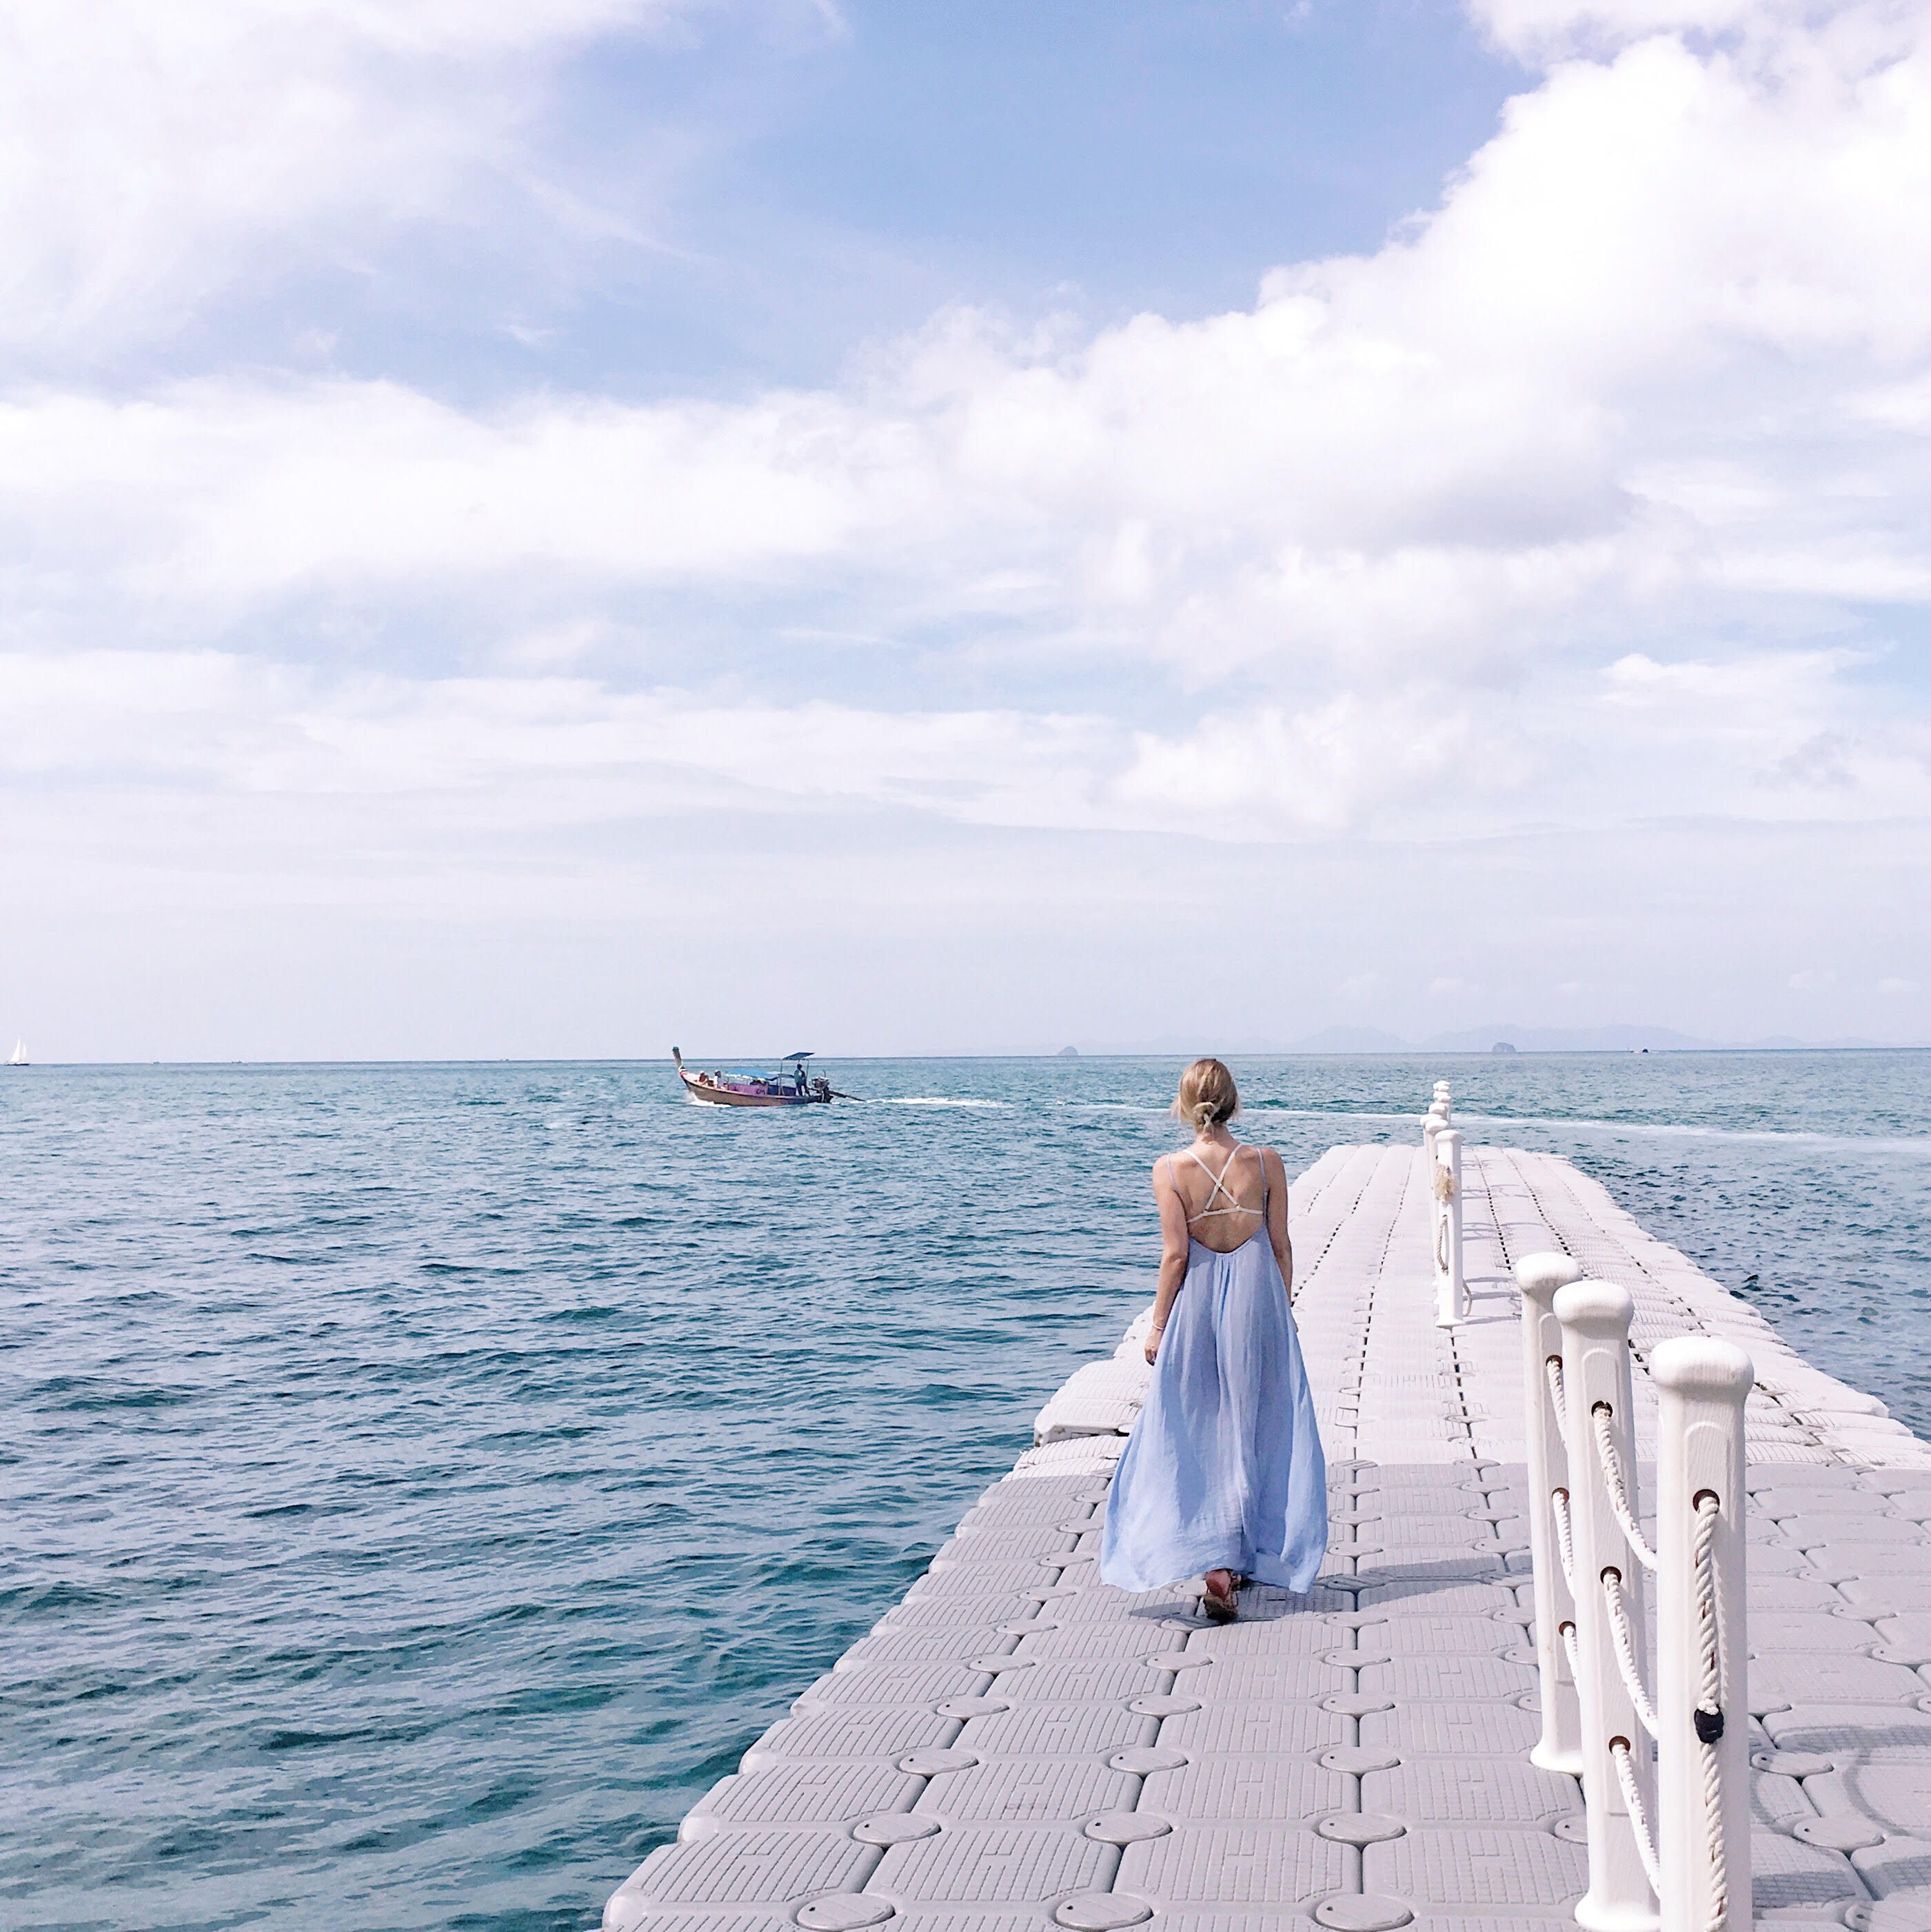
(1224,1476)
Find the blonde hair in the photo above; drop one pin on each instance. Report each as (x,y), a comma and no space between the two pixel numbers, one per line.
(1207,1096)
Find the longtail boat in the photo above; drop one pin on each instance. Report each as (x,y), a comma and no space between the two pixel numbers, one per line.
(790,1087)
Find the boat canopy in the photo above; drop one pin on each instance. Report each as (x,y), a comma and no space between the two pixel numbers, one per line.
(800,1056)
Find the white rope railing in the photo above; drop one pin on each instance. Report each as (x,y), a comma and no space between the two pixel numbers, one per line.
(1623,1640)
(1453,1302)
(1617,1484)
(1707,1714)
(1624,1760)
(1668,1828)
(1565,1536)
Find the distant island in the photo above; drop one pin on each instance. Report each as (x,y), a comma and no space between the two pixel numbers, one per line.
(1504,1038)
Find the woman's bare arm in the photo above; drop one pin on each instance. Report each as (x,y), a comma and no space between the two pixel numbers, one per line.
(1172,1251)
(1277,1216)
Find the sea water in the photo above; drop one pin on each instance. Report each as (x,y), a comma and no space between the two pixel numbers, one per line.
(421,1482)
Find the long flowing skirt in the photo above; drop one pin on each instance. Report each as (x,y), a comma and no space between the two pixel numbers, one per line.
(1224,1469)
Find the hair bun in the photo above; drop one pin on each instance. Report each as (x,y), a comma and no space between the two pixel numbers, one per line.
(1207,1096)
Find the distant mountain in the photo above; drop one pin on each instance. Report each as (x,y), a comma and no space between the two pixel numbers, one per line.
(1620,1039)
(1569,1040)
(1351,1040)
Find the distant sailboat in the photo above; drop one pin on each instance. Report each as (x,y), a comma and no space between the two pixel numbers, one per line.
(20,1058)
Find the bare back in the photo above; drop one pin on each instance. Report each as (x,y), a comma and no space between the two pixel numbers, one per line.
(1219,1208)
(1225,1209)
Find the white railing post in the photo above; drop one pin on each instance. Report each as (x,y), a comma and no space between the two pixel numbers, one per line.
(1702,1698)
(1616,1757)
(1452,1303)
(1539,1277)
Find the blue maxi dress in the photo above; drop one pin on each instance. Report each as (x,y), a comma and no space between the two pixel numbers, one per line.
(1223,1470)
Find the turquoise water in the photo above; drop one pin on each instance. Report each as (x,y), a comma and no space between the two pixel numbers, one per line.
(422,1482)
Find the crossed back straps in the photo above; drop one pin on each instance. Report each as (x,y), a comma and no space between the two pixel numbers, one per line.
(1220,1187)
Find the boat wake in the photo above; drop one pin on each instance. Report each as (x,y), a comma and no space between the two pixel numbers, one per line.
(937,1100)
(1868,1144)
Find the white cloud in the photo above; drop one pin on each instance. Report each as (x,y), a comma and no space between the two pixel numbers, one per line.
(153,152)
(1546,30)
(1571,505)
(1630,376)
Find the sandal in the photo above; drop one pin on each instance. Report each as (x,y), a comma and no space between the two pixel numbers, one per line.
(1218,1609)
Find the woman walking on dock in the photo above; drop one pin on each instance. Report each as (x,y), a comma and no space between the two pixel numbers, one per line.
(1224,1474)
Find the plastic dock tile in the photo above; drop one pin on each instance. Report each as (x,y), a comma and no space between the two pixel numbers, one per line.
(1099,1604)
(1026,1544)
(1477,1866)
(1266,1678)
(1875,1733)
(1235,1918)
(1085,1680)
(1030,1790)
(1056,1730)
(1012,1504)
(1840,1679)
(1785,1873)
(1422,1635)
(1453,1730)
(1275,1634)
(627,1911)
(1234,1865)
(850,1734)
(915,1915)
(1096,1639)
(809,1791)
(1472,1678)
(1521,1920)
(983,1580)
(1806,1634)
(753,1868)
(936,1643)
(1254,1730)
(947,1612)
(996,1865)
(1241,1790)
(1897,1797)
(1420,1597)
(1898,1863)
(1791,1593)
(1903,1912)
(921,1684)
(1470,1791)
(1029,1721)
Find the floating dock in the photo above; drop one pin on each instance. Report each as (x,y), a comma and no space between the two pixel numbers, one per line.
(1017,1746)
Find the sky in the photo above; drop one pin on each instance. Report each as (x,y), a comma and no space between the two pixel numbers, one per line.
(560,529)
